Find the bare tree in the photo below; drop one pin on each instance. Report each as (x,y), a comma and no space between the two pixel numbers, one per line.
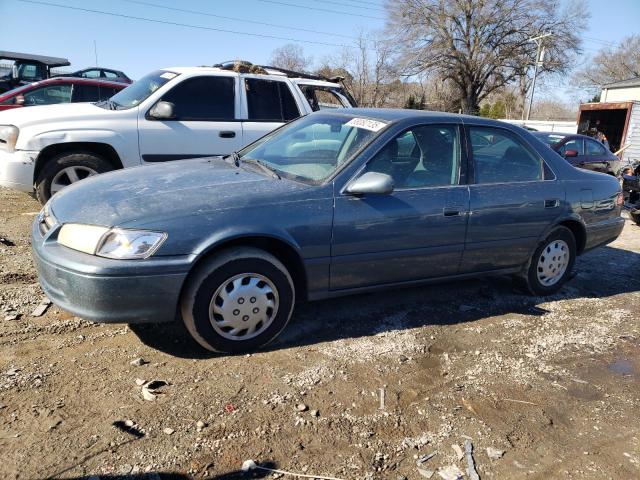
(290,57)
(368,70)
(479,45)
(611,64)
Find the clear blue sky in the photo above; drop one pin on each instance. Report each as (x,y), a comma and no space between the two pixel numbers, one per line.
(137,46)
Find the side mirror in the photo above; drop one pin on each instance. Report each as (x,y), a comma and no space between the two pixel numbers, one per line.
(19,100)
(570,153)
(162,111)
(371,183)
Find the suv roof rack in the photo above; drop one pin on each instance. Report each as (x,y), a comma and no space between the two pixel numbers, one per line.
(248,67)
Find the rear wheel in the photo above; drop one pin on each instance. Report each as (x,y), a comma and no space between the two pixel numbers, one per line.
(552,263)
(67,168)
(238,301)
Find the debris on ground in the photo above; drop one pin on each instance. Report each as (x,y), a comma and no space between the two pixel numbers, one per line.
(450,472)
(494,453)
(150,389)
(6,242)
(458,450)
(425,472)
(41,308)
(301,407)
(471,467)
(168,431)
(138,362)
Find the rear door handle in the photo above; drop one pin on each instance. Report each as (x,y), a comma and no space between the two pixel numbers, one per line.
(551,203)
(227,134)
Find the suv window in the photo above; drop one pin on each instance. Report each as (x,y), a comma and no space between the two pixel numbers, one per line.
(48,95)
(320,98)
(595,148)
(203,98)
(502,157)
(270,100)
(110,75)
(575,144)
(424,156)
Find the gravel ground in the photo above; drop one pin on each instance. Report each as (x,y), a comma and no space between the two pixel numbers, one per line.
(356,388)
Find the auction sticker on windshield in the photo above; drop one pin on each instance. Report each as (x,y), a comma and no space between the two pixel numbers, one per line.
(366,123)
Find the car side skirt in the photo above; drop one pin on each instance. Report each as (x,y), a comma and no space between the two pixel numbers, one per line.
(322,295)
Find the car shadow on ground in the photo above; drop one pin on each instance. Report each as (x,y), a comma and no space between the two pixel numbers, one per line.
(604,272)
(234,475)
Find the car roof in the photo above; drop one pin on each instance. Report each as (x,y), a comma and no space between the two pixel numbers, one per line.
(564,134)
(393,115)
(49,61)
(271,73)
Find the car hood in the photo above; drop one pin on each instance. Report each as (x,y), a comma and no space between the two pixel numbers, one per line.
(38,114)
(149,195)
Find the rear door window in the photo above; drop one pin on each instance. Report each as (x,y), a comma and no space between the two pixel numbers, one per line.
(270,100)
(499,156)
(595,148)
(575,144)
(86,93)
(203,98)
(320,98)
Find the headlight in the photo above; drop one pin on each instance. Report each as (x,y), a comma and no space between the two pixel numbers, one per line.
(8,137)
(114,243)
(128,244)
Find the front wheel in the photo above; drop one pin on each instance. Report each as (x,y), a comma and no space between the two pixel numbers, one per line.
(552,263)
(238,300)
(67,168)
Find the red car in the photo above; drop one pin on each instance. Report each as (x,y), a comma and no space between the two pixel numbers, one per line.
(59,90)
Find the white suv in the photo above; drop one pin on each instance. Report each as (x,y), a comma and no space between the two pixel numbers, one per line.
(169,114)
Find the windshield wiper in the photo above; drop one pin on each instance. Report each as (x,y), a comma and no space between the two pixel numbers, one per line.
(262,165)
(233,156)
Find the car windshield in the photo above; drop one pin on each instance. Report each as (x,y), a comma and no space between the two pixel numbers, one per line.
(312,148)
(139,91)
(551,139)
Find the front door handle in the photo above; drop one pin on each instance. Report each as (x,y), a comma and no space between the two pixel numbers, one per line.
(227,134)
(453,211)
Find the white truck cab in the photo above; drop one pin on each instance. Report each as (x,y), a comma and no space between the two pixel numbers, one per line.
(169,114)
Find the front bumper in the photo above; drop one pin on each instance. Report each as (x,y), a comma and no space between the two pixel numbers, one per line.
(105,290)
(16,169)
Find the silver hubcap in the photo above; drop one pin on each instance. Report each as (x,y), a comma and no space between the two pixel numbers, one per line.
(243,306)
(69,175)
(553,262)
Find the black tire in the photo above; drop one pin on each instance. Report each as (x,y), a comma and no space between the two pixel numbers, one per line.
(65,160)
(204,282)
(530,281)
(635,215)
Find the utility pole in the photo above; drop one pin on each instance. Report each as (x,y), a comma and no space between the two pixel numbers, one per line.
(539,59)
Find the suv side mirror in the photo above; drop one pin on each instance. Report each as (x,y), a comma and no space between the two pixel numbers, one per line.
(162,111)
(371,183)
(570,153)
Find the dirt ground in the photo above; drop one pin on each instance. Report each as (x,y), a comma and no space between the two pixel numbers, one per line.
(383,380)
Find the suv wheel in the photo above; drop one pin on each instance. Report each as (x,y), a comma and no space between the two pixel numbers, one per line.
(552,263)
(238,300)
(65,169)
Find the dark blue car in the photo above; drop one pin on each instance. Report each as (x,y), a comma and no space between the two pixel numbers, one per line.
(328,205)
(582,151)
